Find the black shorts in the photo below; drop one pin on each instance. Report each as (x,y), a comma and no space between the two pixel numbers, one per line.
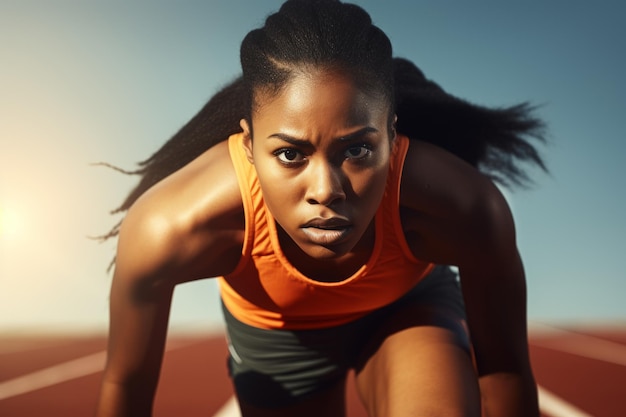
(274,368)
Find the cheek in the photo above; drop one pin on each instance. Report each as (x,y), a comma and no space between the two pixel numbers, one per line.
(371,182)
(280,193)
(373,189)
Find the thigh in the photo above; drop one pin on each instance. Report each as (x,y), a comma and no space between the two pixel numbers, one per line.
(419,362)
(419,369)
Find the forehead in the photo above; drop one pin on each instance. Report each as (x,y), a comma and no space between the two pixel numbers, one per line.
(315,90)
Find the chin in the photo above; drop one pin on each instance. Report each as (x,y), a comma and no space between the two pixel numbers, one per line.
(327,252)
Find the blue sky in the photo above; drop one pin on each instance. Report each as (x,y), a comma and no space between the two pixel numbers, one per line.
(82,82)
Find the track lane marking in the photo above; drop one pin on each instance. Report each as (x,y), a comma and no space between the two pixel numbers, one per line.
(53,375)
(229,409)
(62,372)
(579,344)
(555,406)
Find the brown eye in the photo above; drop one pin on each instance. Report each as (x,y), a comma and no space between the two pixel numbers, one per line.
(288,156)
(358,152)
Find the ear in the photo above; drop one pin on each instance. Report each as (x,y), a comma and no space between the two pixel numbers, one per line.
(247,140)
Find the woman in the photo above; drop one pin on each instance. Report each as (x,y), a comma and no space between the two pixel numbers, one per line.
(322,188)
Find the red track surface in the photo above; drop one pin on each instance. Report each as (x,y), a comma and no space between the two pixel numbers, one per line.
(585,369)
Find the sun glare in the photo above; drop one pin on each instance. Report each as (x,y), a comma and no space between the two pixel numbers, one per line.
(11,224)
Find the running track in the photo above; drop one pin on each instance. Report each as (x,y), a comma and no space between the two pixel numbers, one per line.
(581,372)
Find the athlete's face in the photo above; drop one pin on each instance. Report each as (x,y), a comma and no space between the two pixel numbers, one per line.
(321,151)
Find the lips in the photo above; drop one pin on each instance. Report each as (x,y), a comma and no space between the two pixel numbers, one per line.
(329,223)
(327,231)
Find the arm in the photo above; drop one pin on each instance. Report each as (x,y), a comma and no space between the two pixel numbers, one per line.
(139,310)
(462,219)
(494,289)
(179,231)
(137,338)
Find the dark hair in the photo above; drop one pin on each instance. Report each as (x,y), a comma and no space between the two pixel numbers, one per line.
(308,34)
(494,140)
(327,33)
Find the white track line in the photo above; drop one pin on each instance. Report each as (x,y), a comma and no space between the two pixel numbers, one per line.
(229,409)
(57,374)
(582,345)
(53,375)
(554,406)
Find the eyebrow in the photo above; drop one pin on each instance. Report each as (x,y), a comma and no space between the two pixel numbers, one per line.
(303,142)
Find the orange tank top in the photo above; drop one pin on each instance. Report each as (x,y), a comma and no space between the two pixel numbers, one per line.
(266,291)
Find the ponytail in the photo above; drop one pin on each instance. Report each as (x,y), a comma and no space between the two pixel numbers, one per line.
(494,140)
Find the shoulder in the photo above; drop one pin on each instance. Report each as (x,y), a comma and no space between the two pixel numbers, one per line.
(184,221)
(436,181)
(452,206)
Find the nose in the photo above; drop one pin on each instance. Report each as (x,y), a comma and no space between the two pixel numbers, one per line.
(325,185)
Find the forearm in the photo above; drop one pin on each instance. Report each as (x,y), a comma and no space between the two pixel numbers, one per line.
(128,384)
(497,321)
(137,335)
